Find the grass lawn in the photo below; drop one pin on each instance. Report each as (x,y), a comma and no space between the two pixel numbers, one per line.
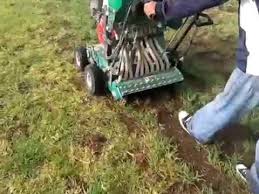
(55,138)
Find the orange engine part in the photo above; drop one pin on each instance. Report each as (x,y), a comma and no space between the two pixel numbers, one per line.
(101,30)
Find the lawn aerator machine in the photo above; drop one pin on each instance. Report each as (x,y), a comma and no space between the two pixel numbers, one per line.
(132,55)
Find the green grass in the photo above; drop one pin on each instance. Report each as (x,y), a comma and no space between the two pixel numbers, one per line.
(47,119)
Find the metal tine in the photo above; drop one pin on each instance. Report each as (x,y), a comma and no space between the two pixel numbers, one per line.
(142,65)
(150,61)
(155,51)
(126,72)
(146,66)
(130,60)
(155,61)
(121,66)
(138,55)
(151,53)
(115,69)
(164,56)
(146,59)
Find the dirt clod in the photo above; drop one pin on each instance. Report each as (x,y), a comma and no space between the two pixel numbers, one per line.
(141,160)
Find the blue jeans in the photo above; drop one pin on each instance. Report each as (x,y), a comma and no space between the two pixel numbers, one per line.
(239,97)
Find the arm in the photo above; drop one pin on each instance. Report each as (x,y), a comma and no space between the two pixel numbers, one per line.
(176,9)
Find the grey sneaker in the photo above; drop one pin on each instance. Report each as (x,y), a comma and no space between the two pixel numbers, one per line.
(242,171)
(184,117)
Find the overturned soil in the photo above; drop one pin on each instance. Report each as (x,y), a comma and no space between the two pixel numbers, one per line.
(195,156)
(156,97)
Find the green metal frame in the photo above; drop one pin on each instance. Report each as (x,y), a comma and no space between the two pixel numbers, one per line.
(124,88)
(116,14)
(115,4)
(145,83)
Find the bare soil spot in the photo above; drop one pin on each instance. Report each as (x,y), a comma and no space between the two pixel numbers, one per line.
(94,142)
(187,150)
(20,130)
(156,97)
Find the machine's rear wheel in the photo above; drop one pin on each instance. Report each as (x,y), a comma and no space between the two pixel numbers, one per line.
(94,80)
(81,60)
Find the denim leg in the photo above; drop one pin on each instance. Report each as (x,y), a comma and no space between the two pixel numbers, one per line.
(241,93)
(253,175)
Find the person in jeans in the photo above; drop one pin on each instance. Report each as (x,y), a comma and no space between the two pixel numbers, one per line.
(241,93)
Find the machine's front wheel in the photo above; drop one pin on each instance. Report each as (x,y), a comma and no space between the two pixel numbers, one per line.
(81,60)
(94,80)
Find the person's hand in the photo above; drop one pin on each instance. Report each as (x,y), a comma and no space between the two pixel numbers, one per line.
(150,9)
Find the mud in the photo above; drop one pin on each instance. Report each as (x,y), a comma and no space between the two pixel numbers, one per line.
(191,153)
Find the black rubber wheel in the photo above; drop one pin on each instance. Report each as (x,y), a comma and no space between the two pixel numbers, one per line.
(81,60)
(94,80)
